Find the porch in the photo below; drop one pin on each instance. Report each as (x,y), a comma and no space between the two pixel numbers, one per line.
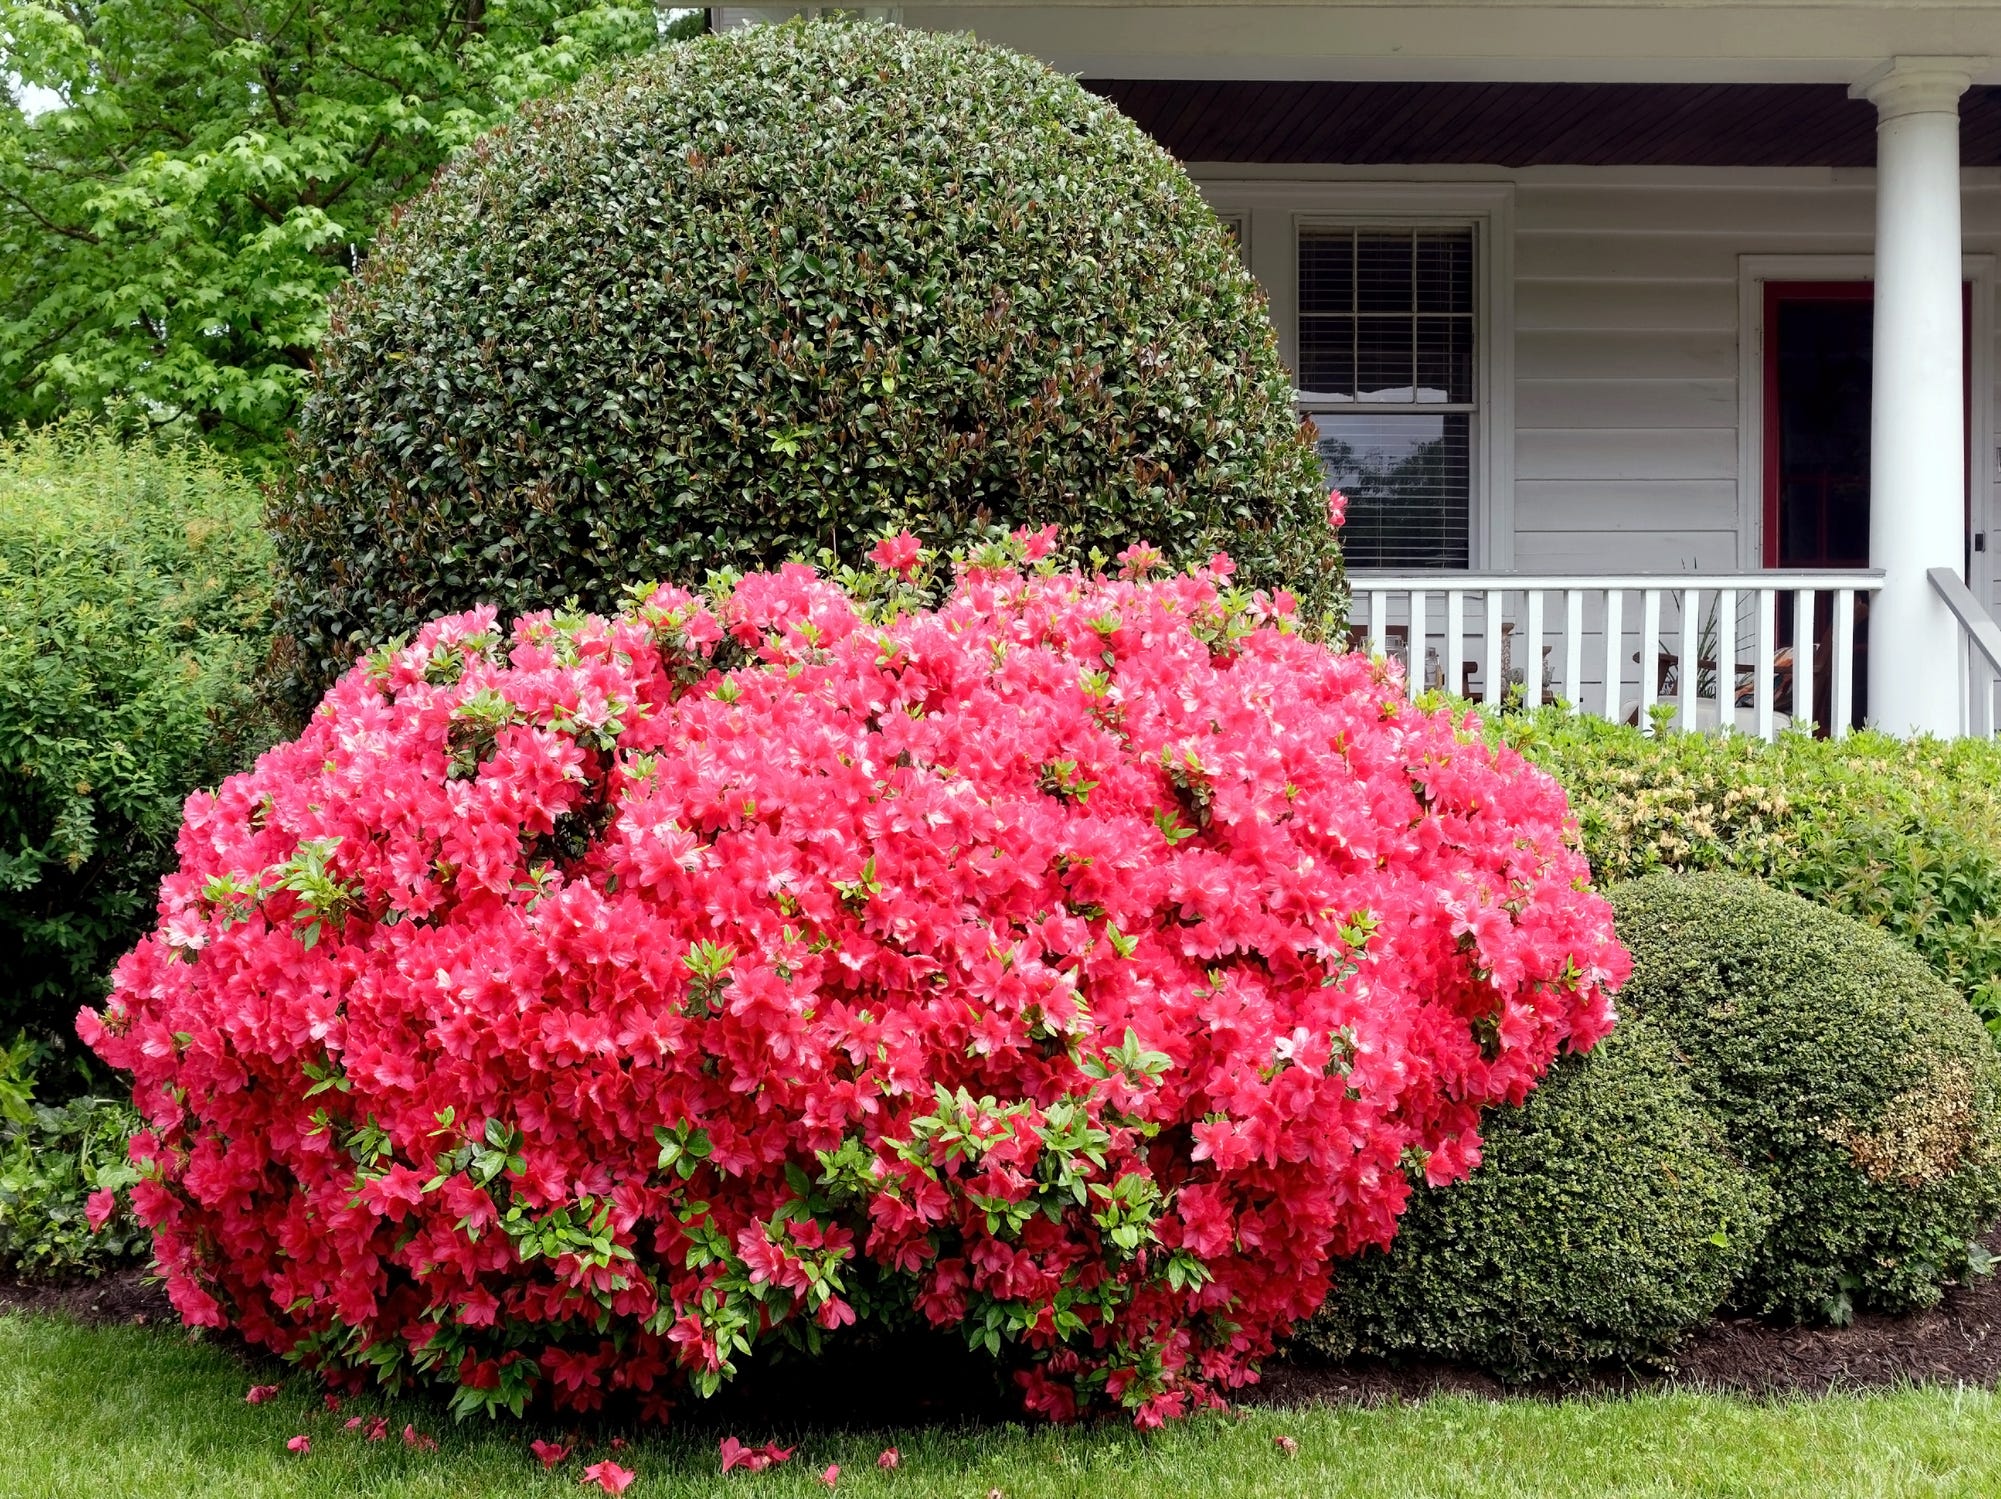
(1558,286)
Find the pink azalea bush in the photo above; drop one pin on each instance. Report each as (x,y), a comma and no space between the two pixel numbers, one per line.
(1080,963)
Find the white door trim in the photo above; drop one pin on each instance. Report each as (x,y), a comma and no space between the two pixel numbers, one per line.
(1753,271)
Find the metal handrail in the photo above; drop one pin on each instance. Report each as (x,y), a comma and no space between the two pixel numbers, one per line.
(1976,621)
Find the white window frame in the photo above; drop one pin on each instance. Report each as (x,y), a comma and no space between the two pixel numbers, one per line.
(1272,213)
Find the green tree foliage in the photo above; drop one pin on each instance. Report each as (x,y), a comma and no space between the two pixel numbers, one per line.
(170,229)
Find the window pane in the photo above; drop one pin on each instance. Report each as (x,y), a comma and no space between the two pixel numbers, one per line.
(1326,271)
(1327,356)
(1383,270)
(1384,368)
(1445,270)
(1445,359)
(1408,480)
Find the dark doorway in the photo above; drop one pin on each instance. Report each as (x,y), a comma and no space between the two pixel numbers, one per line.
(1818,353)
(1818,356)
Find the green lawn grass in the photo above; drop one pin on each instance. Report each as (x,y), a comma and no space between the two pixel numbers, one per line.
(126,1411)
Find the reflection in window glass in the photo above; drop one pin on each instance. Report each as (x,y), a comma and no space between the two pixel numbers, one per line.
(1407,479)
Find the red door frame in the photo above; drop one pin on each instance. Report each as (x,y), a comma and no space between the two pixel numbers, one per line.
(1843,291)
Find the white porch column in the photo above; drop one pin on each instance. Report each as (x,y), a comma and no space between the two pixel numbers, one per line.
(1917,436)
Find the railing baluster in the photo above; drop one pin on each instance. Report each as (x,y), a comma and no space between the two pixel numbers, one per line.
(1455,641)
(1688,670)
(1803,623)
(1532,670)
(1573,649)
(1378,621)
(1650,655)
(1767,662)
(1495,689)
(1842,708)
(1615,632)
(1420,609)
(1726,658)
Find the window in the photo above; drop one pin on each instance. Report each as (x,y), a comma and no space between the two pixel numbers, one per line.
(1386,322)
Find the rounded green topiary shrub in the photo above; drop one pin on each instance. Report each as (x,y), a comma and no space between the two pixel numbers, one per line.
(1861,1089)
(1605,1222)
(777,291)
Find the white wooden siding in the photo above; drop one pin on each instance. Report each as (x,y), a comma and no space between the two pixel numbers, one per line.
(1627,345)
(1627,353)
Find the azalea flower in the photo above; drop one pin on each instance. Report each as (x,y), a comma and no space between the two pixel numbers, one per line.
(897,554)
(550,1453)
(831,1475)
(99,1207)
(259,1393)
(609,1476)
(415,1438)
(301,1444)
(890,1458)
(562,917)
(1337,508)
(1288,1445)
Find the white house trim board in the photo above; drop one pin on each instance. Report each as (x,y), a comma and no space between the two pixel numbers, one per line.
(1753,271)
(1832,41)
(1272,212)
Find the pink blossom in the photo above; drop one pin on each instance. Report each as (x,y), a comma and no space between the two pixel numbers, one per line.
(1337,509)
(1035,545)
(899,554)
(99,1207)
(609,1476)
(608,932)
(259,1393)
(831,1475)
(549,1453)
(891,1458)
(300,1444)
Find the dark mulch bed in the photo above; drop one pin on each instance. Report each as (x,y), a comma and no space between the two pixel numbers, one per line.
(123,1295)
(933,1379)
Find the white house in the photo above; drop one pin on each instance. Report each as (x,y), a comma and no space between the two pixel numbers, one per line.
(1639,332)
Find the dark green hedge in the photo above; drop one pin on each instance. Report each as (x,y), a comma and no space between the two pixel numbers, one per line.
(1605,1222)
(1858,1086)
(776,291)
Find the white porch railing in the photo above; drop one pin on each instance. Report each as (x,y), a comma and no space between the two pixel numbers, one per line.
(1618,646)
(1981,643)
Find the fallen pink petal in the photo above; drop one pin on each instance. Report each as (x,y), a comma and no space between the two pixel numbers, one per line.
(609,1476)
(891,1458)
(259,1393)
(301,1444)
(831,1475)
(549,1453)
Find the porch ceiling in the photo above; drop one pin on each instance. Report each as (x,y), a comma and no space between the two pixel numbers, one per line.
(1525,124)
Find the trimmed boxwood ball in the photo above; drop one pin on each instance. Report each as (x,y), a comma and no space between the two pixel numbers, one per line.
(775,291)
(1858,1086)
(1604,1223)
